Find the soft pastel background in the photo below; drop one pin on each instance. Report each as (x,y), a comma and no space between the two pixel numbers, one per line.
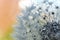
(8,11)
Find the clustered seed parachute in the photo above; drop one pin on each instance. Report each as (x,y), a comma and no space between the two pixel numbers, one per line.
(40,21)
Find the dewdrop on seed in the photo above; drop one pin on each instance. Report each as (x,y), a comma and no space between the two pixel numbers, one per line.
(39,22)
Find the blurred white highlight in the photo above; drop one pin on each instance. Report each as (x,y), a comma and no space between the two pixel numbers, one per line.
(25,3)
